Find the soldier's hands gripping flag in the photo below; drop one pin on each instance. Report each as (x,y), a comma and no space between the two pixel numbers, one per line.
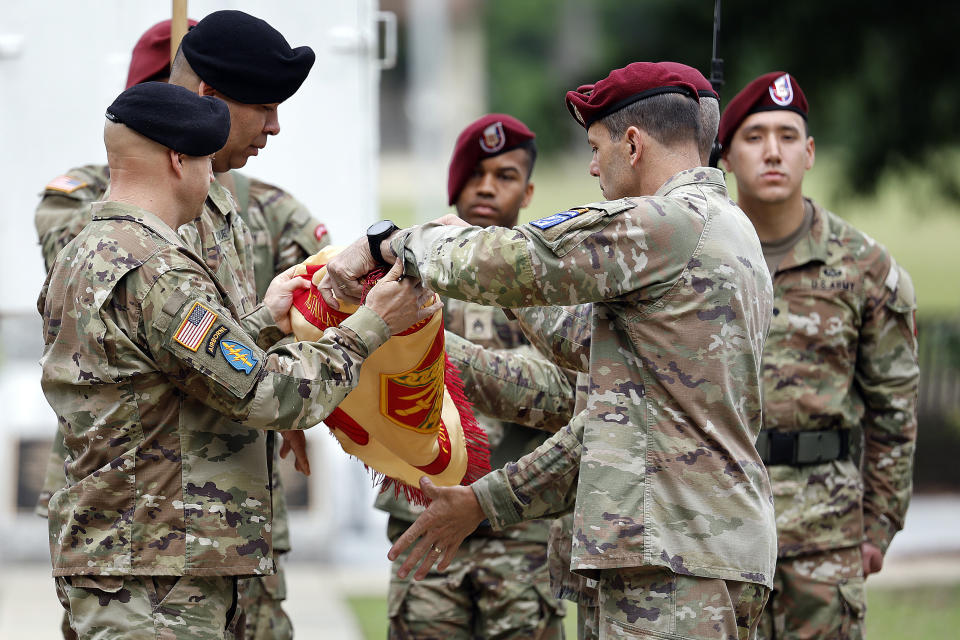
(408,416)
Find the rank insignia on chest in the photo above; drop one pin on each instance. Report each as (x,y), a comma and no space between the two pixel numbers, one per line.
(557,218)
(196,325)
(478,324)
(238,356)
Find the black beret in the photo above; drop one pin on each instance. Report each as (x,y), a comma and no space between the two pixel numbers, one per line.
(175,117)
(245,58)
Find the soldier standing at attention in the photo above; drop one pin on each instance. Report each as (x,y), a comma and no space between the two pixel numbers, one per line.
(841,355)
(497,585)
(673,512)
(167,502)
(283,232)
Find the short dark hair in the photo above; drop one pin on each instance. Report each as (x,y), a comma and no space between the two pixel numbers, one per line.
(669,118)
(531,148)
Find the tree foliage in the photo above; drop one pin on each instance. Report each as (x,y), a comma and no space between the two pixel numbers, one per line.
(880,76)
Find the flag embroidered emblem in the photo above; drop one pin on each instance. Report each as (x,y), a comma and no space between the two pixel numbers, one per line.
(66,184)
(195,327)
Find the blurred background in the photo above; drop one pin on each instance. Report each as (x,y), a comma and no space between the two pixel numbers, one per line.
(369,136)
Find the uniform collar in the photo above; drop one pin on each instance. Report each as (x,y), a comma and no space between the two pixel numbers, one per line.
(109,210)
(812,247)
(696,175)
(220,197)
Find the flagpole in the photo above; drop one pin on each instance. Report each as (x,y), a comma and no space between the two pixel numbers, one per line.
(178,26)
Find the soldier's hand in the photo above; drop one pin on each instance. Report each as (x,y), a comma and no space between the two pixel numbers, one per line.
(279,297)
(342,278)
(451,220)
(401,303)
(296,440)
(453,514)
(872,558)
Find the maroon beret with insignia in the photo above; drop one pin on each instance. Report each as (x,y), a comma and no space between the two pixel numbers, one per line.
(694,77)
(491,135)
(772,91)
(623,87)
(151,54)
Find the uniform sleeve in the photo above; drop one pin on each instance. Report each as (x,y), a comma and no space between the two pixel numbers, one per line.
(595,255)
(297,234)
(205,352)
(513,385)
(887,374)
(54,477)
(64,208)
(561,334)
(541,483)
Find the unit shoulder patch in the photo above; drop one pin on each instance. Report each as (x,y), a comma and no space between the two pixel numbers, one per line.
(557,218)
(65,184)
(214,339)
(238,356)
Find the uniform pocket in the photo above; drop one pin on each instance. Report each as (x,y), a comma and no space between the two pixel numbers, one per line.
(853,599)
(396,597)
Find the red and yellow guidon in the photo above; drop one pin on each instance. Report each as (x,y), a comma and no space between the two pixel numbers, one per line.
(407,417)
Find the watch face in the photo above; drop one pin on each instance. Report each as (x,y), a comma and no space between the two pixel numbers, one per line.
(377,228)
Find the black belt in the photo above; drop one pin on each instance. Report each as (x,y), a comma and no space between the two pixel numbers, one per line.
(802,447)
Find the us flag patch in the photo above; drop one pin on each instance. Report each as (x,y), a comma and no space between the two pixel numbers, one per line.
(195,327)
(66,184)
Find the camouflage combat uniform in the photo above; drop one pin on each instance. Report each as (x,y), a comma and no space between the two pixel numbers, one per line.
(841,354)
(498,584)
(146,496)
(283,234)
(671,502)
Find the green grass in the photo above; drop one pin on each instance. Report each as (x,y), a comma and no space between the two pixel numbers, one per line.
(892,614)
(905,215)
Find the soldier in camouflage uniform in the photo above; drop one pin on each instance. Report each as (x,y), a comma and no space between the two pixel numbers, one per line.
(157,381)
(283,234)
(498,584)
(841,357)
(673,511)
(573,324)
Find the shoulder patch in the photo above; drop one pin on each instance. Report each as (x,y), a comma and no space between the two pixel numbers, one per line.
(557,218)
(320,231)
(238,356)
(66,184)
(214,339)
(195,326)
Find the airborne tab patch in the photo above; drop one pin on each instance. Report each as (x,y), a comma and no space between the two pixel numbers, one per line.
(238,356)
(218,333)
(557,218)
(66,184)
(193,329)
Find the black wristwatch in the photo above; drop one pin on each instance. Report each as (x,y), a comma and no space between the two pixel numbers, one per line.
(377,233)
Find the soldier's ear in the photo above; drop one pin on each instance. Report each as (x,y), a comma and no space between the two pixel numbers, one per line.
(176,162)
(634,138)
(527,195)
(206,90)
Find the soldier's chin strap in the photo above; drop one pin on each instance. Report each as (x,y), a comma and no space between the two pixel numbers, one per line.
(716,79)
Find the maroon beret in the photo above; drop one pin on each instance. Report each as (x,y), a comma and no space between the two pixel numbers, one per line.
(694,77)
(772,91)
(491,135)
(151,54)
(623,87)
